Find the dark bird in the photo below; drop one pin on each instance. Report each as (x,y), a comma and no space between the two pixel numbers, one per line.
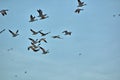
(44,51)
(2,31)
(78,10)
(43,34)
(32,48)
(14,34)
(80,4)
(32,18)
(41,15)
(4,12)
(35,46)
(34,32)
(67,32)
(42,39)
(57,36)
(33,41)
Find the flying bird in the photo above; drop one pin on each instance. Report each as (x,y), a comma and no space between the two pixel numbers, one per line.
(41,15)
(42,39)
(34,32)
(57,36)
(32,18)
(35,46)
(78,10)
(32,48)
(4,12)
(44,51)
(80,4)
(67,32)
(2,31)
(33,41)
(14,34)
(43,34)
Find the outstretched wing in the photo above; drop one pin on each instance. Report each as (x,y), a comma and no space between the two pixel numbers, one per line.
(40,12)
(79,1)
(31,40)
(2,30)
(17,31)
(32,31)
(11,32)
(42,49)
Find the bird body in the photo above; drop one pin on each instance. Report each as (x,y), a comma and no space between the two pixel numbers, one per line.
(32,48)
(78,10)
(34,32)
(43,34)
(41,15)
(42,39)
(80,4)
(32,18)
(4,12)
(57,36)
(33,41)
(67,32)
(44,51)
(14,34)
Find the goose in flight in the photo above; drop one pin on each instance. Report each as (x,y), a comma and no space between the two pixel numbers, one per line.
(35,46)
(43,34)
(33,41)
(42,39)
(41,15)
(80,4)
(44,51)
(32,48)
(2,31)
(4,12)
(57,36)
(32,18)
(67,32)
(14,34)
(78,10)
(34,32)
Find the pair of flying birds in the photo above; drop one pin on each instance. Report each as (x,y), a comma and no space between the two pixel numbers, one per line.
(80,4)
(40,14)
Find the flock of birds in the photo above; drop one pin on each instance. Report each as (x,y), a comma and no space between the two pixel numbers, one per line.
(36,44)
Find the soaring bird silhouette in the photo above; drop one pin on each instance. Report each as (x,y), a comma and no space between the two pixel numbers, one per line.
(44,51)
(4,12)
(57,36)
(42,39)
(34,32)
(78,10)
(67,32)
(35,46)
(43,34)
(32,48)
(41,15)
(14,34)
(80,4)
(33,41)
(2,31)
(32,18)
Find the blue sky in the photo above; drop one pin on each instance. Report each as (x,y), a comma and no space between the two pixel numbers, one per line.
(95,34)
